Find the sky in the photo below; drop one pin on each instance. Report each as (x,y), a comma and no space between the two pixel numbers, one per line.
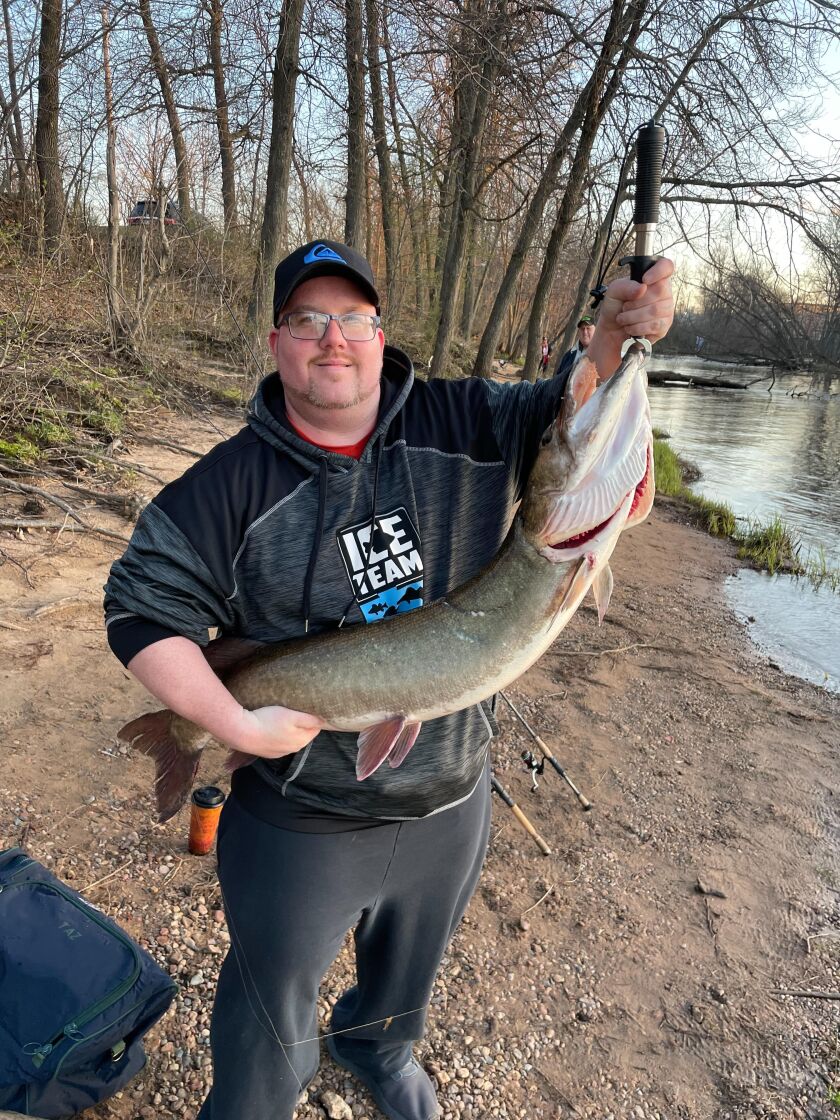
(791,251)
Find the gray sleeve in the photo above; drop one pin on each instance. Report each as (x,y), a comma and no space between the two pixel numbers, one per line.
(521,413)
(162,579)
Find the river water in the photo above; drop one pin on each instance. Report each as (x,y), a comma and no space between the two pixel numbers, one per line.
(766,455)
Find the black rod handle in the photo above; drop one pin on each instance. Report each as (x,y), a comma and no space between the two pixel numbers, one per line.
(650,149)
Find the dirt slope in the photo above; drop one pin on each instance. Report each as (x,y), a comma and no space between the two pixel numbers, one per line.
(596,982)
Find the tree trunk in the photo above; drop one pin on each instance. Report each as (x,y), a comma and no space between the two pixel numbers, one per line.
(214,8)
(408,194)
(182,166)
(383,157)
(548,182)
(473,105)
(114,295)
(468,298)
(595,113)
(355,200)
(46,126)
(11,110)
(275,214)
(454,260)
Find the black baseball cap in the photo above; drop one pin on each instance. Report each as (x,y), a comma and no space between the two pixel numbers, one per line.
(586,321)
(322,258)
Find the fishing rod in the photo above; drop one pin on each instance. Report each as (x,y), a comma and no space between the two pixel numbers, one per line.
(499,789)
(650,153)
(585,803)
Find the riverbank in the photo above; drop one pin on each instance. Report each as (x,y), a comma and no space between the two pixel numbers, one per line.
(631,974)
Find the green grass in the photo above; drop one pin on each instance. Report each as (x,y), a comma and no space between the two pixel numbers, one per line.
(769,547)
(19,449)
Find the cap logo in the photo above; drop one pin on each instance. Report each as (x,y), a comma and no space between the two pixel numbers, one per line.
(321,252)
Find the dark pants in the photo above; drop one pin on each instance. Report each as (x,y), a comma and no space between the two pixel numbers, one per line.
(290,898)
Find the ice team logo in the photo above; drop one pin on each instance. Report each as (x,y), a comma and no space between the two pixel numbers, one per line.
(386,572)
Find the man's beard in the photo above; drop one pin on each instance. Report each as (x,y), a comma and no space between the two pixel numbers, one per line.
(314,396)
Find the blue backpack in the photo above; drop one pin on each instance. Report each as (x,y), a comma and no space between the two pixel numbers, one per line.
(76,996)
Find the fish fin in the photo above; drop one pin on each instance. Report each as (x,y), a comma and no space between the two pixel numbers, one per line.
(222,654)
(582,383)
(176,760)
(645,492)
(236,759)
(602,588)
(406,740)
(375,744)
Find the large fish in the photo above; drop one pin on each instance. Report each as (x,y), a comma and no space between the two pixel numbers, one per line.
(593,477)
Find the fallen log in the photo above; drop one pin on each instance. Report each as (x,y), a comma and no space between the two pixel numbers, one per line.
(660,376)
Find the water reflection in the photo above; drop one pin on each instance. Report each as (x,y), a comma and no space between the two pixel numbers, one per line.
(770,604)
(764,455)
(769,455)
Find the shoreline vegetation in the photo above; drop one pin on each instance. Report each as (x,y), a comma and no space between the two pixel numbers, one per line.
(767,546)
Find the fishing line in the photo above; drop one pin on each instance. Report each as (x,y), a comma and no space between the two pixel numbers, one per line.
(236,941)
(238,948)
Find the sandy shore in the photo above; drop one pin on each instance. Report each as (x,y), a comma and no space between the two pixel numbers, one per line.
(596,982)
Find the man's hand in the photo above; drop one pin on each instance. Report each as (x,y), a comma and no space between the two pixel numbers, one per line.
(275,731)
(632,310)
(176,671)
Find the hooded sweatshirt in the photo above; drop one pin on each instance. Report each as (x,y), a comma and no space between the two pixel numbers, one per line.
(269,537)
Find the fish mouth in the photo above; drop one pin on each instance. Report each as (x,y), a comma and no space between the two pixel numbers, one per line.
(588,535)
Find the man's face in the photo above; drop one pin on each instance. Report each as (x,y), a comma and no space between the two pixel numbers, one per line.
(330,373)
(585,334)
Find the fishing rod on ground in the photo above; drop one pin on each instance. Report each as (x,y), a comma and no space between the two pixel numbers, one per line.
(538,767)
(500,790)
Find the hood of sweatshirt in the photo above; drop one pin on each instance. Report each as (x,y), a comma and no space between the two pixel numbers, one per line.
(267,418)
(267,414)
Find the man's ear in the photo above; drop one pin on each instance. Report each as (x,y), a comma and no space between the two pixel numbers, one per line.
(273,335)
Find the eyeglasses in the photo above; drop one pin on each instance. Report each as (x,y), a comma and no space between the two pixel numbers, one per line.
(312,325)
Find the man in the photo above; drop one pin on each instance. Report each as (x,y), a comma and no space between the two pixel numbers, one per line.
(354,491)
(585,334)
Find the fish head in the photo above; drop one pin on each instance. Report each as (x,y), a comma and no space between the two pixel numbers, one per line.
(593,476)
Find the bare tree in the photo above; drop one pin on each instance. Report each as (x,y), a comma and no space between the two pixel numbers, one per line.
(383,155)
(279,159)
(113,292)
(228,162)
(354,207)
(46,128)
(161,69)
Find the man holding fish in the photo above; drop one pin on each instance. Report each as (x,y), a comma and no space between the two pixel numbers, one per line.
(355,495)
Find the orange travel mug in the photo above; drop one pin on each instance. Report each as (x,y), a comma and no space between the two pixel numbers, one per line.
(206,806)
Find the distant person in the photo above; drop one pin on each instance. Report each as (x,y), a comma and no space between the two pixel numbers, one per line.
(585,332)
(545,354)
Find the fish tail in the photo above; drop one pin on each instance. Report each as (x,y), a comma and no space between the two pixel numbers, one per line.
(235,759)
(176,755)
